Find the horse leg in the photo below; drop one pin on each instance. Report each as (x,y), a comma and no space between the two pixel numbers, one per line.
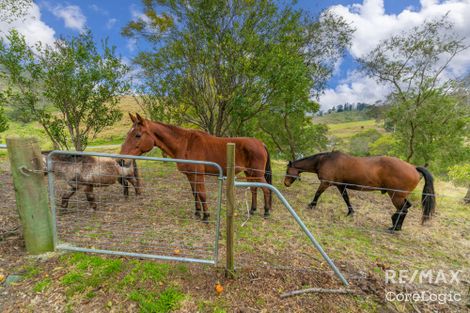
(197,204)
(254,199)
(254,194)
(90,196)
(125,186)
(66,196)
(267,201)
(201,193)
(344,192)
(135,183)
(402,205)
(323,186)
(259,177)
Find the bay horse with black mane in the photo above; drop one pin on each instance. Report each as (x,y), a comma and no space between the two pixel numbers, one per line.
(251,156)
(388,174)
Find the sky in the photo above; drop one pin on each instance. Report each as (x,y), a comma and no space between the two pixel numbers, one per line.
(374,20)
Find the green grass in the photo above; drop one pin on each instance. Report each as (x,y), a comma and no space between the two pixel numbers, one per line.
(145,271)
(88,272)
(151,302)
(349,129)
(30,271)
(144,282)
(341,117)
(42,285)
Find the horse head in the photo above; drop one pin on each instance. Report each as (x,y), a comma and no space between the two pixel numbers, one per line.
(292,173)
(139,139)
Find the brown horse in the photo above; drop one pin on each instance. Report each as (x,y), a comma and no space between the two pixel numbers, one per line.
(251,156)
(390,175)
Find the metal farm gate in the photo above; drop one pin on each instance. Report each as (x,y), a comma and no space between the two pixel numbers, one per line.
(158,224)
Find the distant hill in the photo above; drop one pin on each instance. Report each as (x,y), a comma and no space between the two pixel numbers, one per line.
(342,117)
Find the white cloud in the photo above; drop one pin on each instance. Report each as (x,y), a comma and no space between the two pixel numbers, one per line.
(131,44)
(373,25)
(110,23)
(98,9)
(355,88)
(71,15)
(31,27)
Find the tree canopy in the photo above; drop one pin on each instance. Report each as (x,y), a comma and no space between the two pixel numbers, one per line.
(71,89)
(217,65)
(428,121)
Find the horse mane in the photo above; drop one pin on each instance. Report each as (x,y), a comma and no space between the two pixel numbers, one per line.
(176,129)
(312,157)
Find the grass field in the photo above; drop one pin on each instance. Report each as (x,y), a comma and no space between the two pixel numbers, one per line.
(272,255)
(110,135)
(341,117)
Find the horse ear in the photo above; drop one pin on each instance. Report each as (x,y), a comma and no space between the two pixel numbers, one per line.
(133,119)
(290,164)
(140,119)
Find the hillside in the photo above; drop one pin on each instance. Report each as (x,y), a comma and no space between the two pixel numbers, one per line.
(341,117)
(343,126)
(110,135)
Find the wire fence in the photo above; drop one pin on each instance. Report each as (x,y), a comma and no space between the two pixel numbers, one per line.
(9,220)
(360,244)
(161,221)
(155,218)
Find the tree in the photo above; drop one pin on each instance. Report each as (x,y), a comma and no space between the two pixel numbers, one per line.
(11,10)
(71,89)
(224,66)
(292,142)
(460,175)
(413,64)
(360,142)
(3,119)
(439,130)
(384,145)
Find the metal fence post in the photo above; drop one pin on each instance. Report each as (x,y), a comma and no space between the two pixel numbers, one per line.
(229,270)
(27,169)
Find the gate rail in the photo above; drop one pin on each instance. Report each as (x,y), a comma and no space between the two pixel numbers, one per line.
(299,221)
(52,199)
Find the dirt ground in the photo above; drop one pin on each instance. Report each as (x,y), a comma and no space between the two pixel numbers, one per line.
(272,255)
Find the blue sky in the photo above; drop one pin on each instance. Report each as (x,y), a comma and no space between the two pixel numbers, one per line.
(373,19)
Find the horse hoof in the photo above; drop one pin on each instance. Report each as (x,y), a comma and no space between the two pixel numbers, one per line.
(205,218)
(266,214)
(392,230)
(197,214)
(350,213)
(252,211)
(310,207)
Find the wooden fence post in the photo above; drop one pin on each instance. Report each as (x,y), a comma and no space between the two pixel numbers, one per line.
(229,270)
(31,193)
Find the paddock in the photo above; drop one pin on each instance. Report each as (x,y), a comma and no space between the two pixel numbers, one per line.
(268,252)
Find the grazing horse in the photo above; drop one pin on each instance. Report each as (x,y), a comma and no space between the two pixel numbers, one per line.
(90,172)
(251,156)
(391,175)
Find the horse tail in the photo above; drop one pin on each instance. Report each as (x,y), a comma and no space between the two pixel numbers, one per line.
(268,175)
(428,199)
